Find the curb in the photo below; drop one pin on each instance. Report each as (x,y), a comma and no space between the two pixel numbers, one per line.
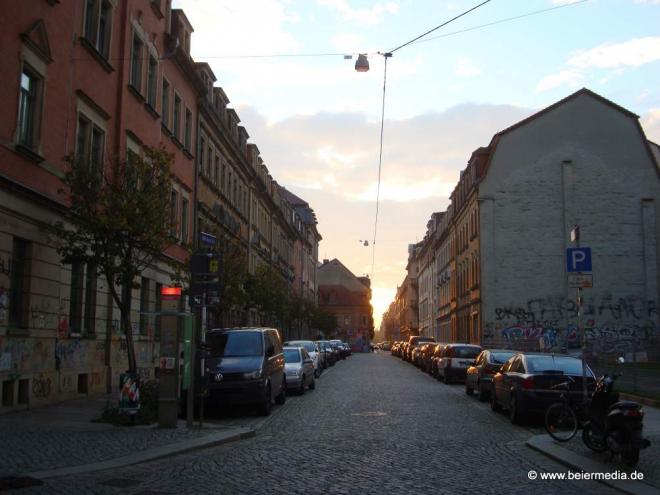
(149,455)
(642,400)
(548,447)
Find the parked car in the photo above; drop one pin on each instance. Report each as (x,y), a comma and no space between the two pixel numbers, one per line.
(347,348)
(339,345)
(425,354)
(524,383)
(331,352)
(415,353)
(435,357)
(481,372)
(245,366)
(386,346)
(313,351)
(412,341)
(454,361)
(395,350)
(299,368)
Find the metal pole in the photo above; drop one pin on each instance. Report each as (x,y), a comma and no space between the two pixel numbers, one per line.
(190,396)
(585,392)
(203,364)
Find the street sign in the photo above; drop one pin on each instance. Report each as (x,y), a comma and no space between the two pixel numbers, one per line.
(580,281)
(207,239)
(578,259)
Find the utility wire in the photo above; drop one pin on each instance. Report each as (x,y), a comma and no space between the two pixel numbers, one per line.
(380,163)
(500,21)
(438,27)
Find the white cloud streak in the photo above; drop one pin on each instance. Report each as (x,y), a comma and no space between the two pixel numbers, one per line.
(373,15)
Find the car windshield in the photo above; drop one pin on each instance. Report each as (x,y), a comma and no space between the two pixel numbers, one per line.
(291,356)
(565,364)
(466,352)
(309,346)
(500,357)
(235,344)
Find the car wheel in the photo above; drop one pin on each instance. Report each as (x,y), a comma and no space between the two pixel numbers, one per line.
(312,385)
(494,405)
(482,395)
(515,414)
(281,398)
(267,405)
(301,390)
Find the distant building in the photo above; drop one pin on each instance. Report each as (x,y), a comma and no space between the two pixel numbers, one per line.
(349,298)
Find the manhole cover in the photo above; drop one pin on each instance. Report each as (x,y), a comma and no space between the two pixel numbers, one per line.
(120,482)
(16,482)
(370,414)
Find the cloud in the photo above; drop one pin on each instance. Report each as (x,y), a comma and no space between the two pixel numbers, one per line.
(347,42)
(565,2)
(651,124)
(466,68)
(373,15)
(570,77)
(632,53)
(338,151)
(609,58)
(650,2)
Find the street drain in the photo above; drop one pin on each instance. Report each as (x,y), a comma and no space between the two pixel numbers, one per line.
(370,414)
(17,482)
(120,482)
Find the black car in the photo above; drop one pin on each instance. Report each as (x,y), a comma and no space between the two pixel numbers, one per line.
(524,384)
(245,366)
(331,352)
(481,372)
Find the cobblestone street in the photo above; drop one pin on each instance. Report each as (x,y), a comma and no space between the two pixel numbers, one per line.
(374,424)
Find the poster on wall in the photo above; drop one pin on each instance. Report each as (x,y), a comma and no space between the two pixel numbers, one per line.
(129,393)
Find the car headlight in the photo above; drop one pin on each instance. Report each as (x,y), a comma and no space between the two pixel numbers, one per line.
(252,375)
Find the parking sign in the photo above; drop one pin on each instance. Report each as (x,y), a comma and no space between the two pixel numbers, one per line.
(578,259)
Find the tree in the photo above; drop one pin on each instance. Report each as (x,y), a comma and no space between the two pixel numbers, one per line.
(268,291)
(324,321)
(231,274)
(119,219)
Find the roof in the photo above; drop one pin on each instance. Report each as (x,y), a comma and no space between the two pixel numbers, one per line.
(334,273)
(582,92)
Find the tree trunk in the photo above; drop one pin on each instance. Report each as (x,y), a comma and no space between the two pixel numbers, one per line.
(125,310)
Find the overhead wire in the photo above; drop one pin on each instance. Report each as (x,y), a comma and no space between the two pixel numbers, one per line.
(387,55)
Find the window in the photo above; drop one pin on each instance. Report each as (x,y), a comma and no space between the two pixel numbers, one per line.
(174,199)
(152,80)
(90,142)
(19,294)
(184,220)
(136,62)
(165,104)
(28,108)
(176,123)
(90,299)
(98,25)
(209,161)
(144,306)
(188,132)
(76,297)
(216,170)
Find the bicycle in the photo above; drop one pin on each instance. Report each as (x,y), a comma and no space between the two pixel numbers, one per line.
(561,418)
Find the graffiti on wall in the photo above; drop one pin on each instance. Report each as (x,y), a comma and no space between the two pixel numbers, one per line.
(41,386)
(4,305)
(26,354)
(611,325)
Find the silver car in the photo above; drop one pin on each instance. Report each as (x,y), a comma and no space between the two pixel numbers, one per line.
(313,351)
(299,370)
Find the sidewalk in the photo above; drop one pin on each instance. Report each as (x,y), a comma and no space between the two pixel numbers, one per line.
(61,439)
(576,455)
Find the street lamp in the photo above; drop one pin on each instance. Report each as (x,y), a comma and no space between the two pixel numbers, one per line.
(362,64)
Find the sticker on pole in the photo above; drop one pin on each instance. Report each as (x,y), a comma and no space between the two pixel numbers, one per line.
(580,281)
(129,393)
(578,259)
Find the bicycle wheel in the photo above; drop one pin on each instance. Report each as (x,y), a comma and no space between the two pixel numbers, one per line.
(561,423)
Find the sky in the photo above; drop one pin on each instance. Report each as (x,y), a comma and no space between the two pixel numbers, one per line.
(317,122)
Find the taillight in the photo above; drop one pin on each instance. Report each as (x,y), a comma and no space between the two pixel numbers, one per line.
(633,413)
(528,383)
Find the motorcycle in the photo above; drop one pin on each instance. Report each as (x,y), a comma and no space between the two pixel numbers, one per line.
(614,425)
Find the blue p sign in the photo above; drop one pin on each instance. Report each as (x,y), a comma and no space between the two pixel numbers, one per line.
(578,259)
